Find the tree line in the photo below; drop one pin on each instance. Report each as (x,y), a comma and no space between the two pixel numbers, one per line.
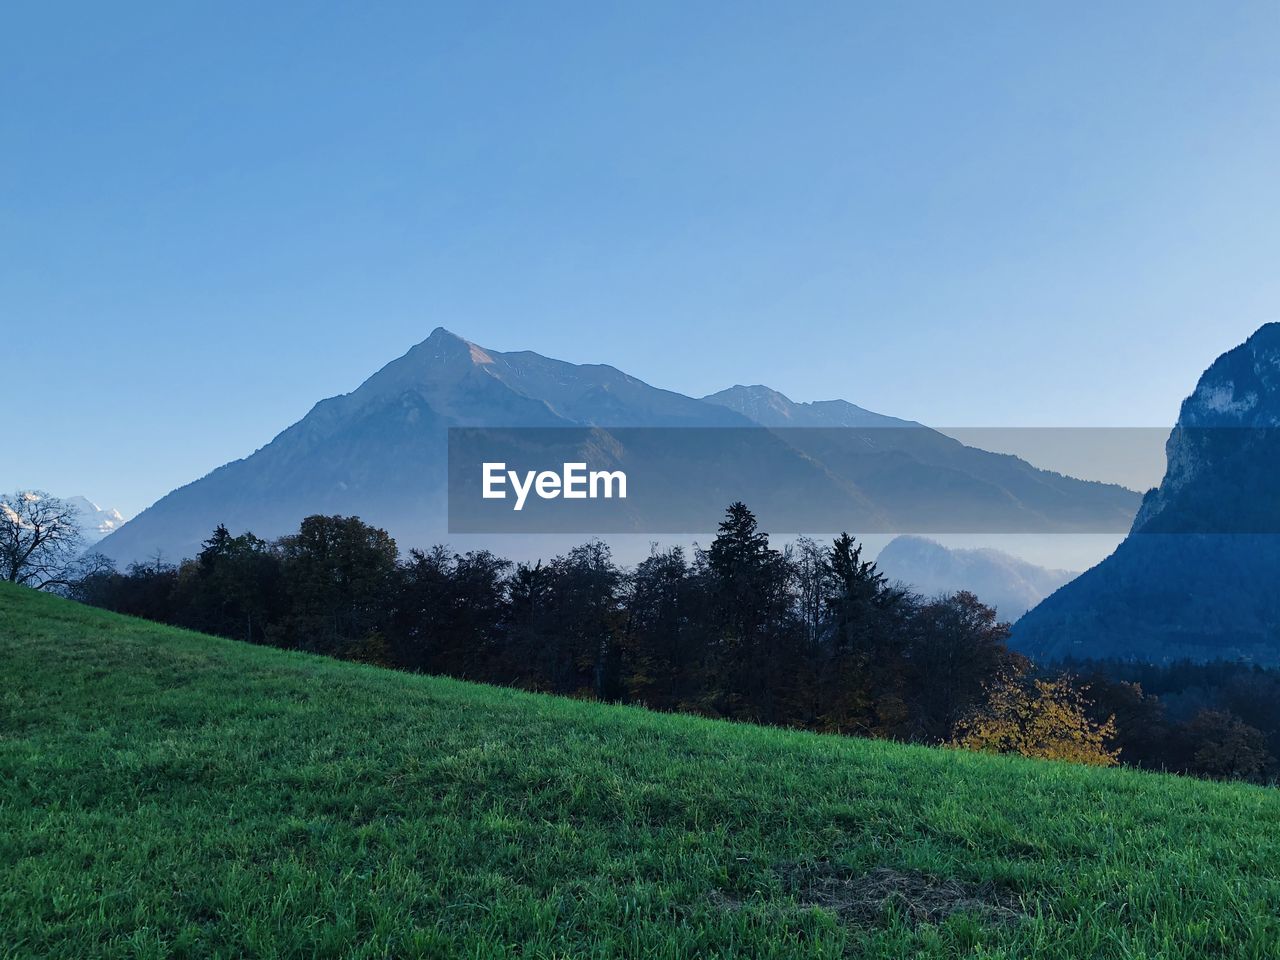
(811,636)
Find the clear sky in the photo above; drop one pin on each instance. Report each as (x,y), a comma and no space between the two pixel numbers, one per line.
(212,216)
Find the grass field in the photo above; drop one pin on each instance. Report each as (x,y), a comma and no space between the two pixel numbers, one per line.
(164,793)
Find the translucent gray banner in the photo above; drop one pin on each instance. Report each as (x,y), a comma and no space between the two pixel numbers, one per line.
(678,480)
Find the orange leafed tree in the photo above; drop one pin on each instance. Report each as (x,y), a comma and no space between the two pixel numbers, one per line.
(1047,719)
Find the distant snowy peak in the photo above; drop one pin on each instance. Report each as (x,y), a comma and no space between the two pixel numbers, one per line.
(769,408)
(95,522)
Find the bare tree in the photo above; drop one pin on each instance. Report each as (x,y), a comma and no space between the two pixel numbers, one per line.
(41,542)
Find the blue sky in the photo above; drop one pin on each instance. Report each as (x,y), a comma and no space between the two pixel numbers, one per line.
(988,214)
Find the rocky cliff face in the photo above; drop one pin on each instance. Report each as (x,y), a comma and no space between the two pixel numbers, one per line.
(1226,430)
(1195,578)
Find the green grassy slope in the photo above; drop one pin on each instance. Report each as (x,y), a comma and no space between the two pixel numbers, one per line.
(164,793)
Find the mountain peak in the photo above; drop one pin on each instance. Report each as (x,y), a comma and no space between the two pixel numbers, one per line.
(444,358)
(1195,577)
(1240,389)
(1268,332)
(755,390)
(445,344)
(443,335)
(94,522)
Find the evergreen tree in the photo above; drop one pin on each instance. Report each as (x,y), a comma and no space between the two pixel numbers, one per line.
(664,643)
(755,634)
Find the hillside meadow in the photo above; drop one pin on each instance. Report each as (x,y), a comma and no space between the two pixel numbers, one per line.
(169,794)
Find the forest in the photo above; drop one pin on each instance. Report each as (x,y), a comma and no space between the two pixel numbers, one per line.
(810,636)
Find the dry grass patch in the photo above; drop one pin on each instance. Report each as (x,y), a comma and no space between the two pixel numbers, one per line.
(864,898)
(868,898)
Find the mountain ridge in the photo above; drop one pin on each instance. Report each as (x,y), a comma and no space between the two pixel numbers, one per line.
(379,452)
(771,408)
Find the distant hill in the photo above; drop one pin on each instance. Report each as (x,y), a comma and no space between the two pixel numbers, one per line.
(1196,576)
(380,452)
(999,579)
(170,793)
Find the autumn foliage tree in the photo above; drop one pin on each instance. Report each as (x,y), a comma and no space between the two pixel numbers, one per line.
(1036,717)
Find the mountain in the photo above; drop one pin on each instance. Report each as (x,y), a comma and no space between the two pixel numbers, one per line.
(999,579)
(92,520)
(95,522)
(1196,576)
(382,452)
(769,408)
(922,480)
